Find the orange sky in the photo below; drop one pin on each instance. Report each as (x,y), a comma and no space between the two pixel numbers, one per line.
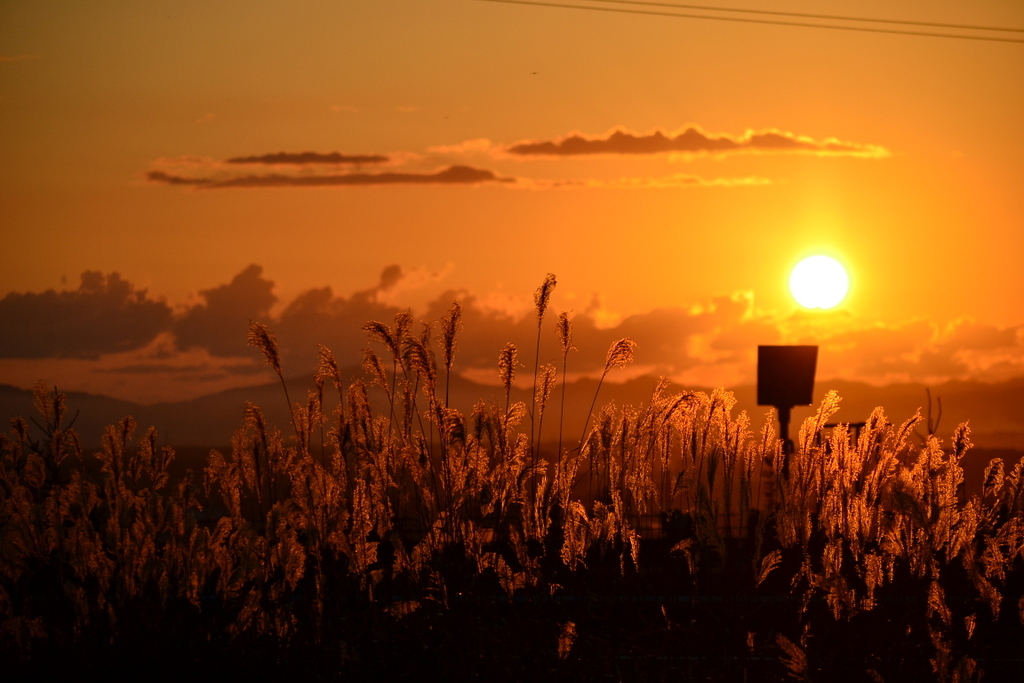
(899,155)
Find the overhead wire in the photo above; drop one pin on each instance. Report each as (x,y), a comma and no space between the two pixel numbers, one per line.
(770,22)
(837,17)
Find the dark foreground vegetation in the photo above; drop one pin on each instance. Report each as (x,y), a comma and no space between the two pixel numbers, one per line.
(669,542)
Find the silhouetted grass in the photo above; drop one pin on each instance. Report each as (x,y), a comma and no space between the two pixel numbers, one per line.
(413,538)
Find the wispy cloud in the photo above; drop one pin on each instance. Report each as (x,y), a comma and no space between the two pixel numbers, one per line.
(484,161)
(474,147)
(676,180)
(690,141)
(303,158)
(453,175)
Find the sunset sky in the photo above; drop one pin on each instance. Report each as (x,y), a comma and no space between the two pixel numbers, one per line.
(234,160)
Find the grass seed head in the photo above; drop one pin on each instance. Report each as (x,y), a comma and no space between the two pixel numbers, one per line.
(450,325)
(546,385)
(620,354)
(566,638)
(419,358)
(328,366)
(374,367)
(543,294)
(403,324)
(507,361)
(261,337)
(564,327)
(380,332)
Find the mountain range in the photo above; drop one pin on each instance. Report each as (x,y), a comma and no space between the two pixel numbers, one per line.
(995,412)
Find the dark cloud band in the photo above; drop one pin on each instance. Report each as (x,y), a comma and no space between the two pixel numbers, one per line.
(108,315)
(453,175)
(104,315)
(692,140)
(302,158)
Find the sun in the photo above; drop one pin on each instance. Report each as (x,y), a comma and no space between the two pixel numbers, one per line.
(819,282)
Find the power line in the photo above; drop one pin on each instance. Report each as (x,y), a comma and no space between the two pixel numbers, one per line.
(744,20)
(966,27)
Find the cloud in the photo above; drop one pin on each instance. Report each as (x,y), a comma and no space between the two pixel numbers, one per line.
(716,343)
(151,374)
(672,341)
(150,369)
(319,316)
(966,348)
(690,141)
(453,175)
(104,315)
(397,281)
(677,180)
(482,161)
(130,337)
(923,351)
(477,146)
(167,178)
(302,158)
(966,334)
(681,180)
(220,324)
(713,342)
(205,370)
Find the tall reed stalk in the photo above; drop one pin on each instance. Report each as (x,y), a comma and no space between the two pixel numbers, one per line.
(541,297)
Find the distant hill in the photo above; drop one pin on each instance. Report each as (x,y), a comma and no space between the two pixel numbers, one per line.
(995,411)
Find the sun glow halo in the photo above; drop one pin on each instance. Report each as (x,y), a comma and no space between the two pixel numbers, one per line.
(819,282)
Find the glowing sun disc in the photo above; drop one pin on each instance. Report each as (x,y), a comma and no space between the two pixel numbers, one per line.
(819,282)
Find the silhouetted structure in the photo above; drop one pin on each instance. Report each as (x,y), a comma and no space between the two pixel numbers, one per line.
(785,378)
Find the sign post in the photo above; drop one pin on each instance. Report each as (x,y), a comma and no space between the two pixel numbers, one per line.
(785,378)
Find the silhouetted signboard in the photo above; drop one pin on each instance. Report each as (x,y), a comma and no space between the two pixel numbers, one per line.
(785,375)
(785,378)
